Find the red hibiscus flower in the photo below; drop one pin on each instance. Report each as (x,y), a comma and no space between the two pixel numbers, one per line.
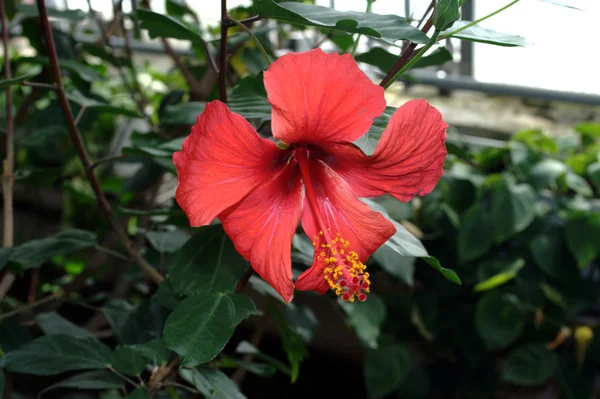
(321,104)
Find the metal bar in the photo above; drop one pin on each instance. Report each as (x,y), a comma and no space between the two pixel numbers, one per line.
(466,47)
(451,82)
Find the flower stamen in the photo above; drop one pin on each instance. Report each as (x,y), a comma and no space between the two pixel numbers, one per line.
(344,272)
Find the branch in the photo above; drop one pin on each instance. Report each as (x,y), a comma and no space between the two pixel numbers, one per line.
(244,280)
(81,151)
(409,51)
(8,164)
(195,86)
(223,53)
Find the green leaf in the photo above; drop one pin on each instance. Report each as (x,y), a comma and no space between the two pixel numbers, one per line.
(201,325)
(117,313)
(259,369)
(85,72)
(100,107)
(55,354)
(31,11)
(90,380)
(4,83)
(291,342)
(247,348)
(135,324)
(386,369)
(593,172)
(530,365)
(497,272)
(578,184)
(13,335)
(384,60)
(446,13)
(164,26)
(208,262)
(582,233)
(389,28)
(5,254)
(33,253)
(476,33)
(183,114)
(401,267)
(249,98)
(168,241)
(211,383)
(368,142)
(498,319)
(366,318)
(450,275)
(546,172)
(128,360)
(512,207)
(475,238)
(402,242)
(52,323)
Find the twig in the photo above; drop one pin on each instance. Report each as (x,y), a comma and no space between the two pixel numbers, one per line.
(240,373)
(184,387)
(141,101)
(254,38)
(195,87)
(247,21)
(30,306)
(81,151)
(244,280)
(160,374)
(8,164)
(129,380)
(408,52)
(40,85)
(111,158)
(223,53)
(80,114)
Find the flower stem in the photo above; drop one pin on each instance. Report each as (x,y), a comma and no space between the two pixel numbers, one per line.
(369,4)
(454,32)
(253,37)
(414,60)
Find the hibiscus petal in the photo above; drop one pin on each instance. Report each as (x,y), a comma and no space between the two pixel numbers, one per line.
(408,160)
(343,213)
(320,97)
(221,161)
(263,224)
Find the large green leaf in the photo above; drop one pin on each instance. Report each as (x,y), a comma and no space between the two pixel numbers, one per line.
(530,365)
(201,325)
(33,253)
(90,380)
(55,354)
(446,13)
(183,114)
(211,383)
(583,237)
(54,324)
(547,250)
(386,368)
(389,28)
(208,262)
(384,60)
(155,351)
(512,207)
(366,318)
(499,319)
(593,172)
(368,142)
(168,241)
(249,98)
(476,33)
(164,26)
(475,238)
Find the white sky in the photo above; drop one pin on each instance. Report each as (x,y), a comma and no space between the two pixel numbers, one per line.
(564,54)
